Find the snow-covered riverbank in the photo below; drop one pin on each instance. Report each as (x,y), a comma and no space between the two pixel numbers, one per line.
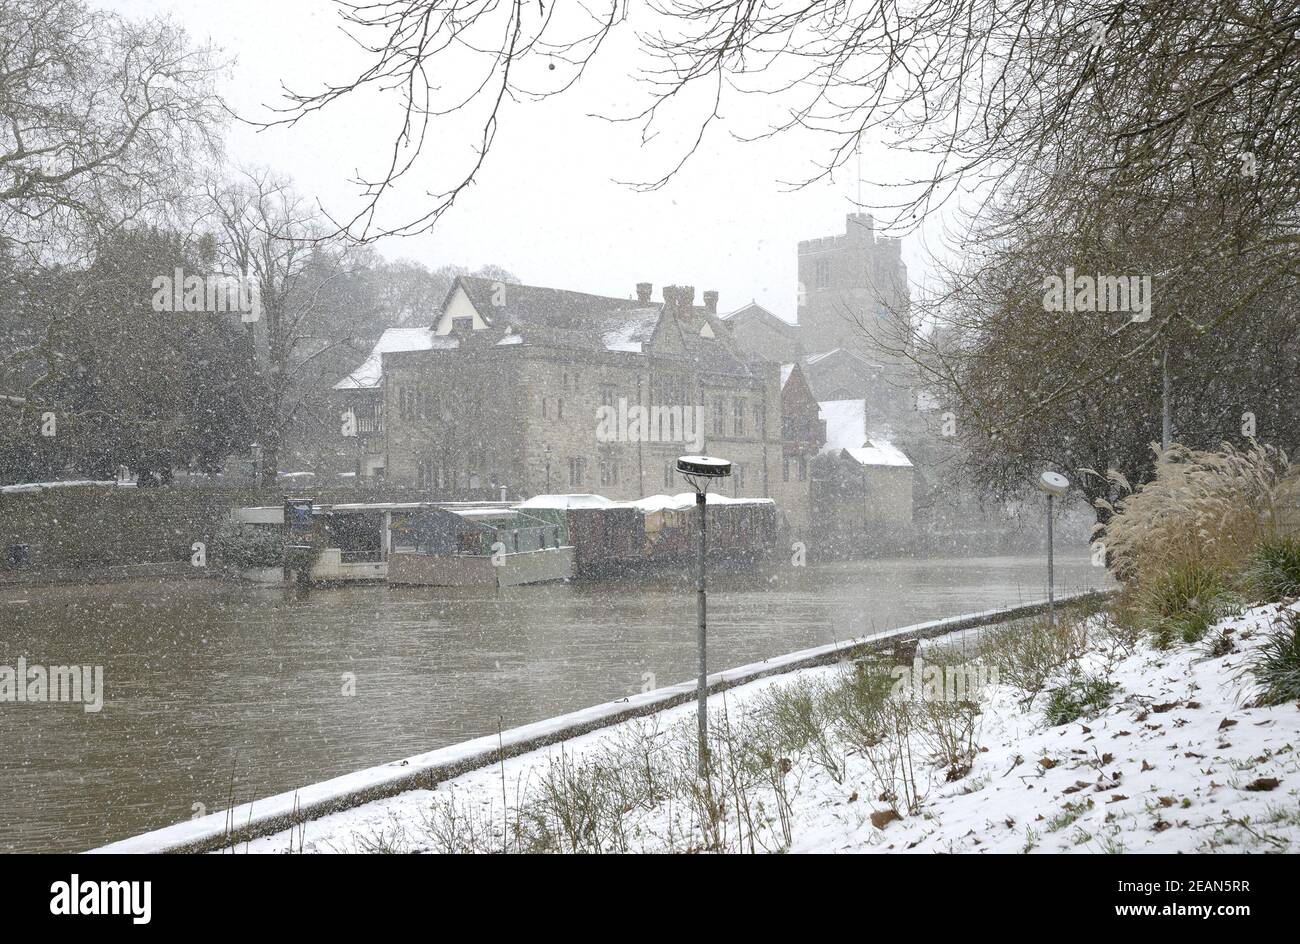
(1175,763)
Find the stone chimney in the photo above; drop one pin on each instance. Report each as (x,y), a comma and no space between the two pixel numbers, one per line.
(711,302)
(678,298)
(643,290)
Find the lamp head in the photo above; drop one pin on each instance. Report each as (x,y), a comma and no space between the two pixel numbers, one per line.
(698,470)
(1054,484)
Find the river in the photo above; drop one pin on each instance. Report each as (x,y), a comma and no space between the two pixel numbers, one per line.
(214,689)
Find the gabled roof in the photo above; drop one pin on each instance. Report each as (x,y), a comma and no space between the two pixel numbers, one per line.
(756,311)
(839,353)
(562,318)
(370,373)
(524,305)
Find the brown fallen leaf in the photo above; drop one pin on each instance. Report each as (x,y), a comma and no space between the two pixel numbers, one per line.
(1193,704)
(1160,826)
(1167,706)
(882,818)
(1046,763)
(853,797)
(1195,755)
(1226,723)
(1078,785)
(1263,783)
(1116,797)
(1146,767)
(1106,759)
(1167,801)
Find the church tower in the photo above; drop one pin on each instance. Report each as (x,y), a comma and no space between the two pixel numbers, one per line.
(849,280)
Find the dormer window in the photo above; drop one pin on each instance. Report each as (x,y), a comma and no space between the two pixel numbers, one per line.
(460,325)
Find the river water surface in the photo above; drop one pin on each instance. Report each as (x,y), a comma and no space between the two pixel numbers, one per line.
(209,683)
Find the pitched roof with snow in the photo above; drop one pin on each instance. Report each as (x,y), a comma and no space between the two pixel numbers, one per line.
(880,452)
(846,423)
(563,318)
(393,340)
(533,305)
(846,430)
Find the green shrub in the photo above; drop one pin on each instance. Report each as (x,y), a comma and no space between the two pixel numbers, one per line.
(1080,697)
(1276,663)
(1273,571)
(1183,602)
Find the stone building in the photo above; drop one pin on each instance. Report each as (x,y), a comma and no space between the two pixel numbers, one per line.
(523,390)
(849,287)
(759,332)
(803,435)
(862,485)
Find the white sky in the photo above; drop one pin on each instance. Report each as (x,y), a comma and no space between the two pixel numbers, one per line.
(545,205)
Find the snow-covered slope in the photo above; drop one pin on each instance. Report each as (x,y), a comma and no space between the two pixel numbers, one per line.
(1176,763)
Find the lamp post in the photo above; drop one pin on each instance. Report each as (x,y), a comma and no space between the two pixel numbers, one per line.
(1054,484)
(698,471)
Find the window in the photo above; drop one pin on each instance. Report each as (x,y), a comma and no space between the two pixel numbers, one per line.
(719,416)
(462,324)
(737,478)
(669,468)
(822,273)
(544,409)
(668,390)
(577,471)
(785,469)
(559,408)
(738,416)
(760,418)
(608,395)
(608,472)
(803,468)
